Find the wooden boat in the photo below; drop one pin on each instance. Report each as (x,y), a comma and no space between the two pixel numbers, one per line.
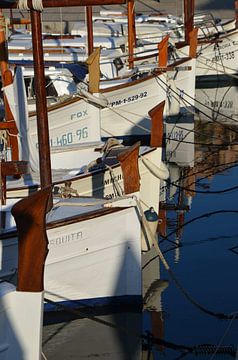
(216,55)
(82,169)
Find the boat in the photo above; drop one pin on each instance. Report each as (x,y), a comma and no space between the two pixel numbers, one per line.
(91,168)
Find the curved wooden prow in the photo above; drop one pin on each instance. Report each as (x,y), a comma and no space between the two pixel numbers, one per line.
(163,51)
(29,214)
(193,41)
(94,71)
(156,115)
(129,164)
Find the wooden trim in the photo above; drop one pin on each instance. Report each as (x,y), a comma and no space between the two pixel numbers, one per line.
(83,217)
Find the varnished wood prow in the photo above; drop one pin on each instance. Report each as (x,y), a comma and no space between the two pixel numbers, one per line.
(163,51)
(129,164)
(193,41)
(29,214)
(156,114)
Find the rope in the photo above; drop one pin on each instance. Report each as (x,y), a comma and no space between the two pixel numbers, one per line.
(115,182)
(36,5)
(43,355)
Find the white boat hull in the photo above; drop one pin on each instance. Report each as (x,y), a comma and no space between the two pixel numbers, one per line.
(93,258)
(218,57)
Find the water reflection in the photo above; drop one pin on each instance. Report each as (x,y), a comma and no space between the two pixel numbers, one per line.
(200,209)
(217,101)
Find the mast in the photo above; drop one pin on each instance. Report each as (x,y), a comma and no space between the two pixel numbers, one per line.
(41,106)
(89,15)
(188,18)
(131,31)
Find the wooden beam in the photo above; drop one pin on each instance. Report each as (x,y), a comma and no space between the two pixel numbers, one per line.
(89,13)
(131,31)
(188,18)
(41,106)
(64,3)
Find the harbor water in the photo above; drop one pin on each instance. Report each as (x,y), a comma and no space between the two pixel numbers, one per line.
(191,310)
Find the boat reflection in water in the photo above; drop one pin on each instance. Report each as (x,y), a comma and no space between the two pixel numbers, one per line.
(118,333)
(177,193)
(218,101)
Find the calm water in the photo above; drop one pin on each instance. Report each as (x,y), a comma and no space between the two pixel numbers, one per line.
(195,318)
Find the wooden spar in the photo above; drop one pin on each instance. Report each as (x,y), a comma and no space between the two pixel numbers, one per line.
(19,21)
(89,13)
(131,31)
(29,214)
(193,41)
(163,52)
(156,115)
(188,18)
(63,3)
(41,106)
(129,164)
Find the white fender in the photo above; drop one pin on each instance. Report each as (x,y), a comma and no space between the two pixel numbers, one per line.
(161,172)
(94,98)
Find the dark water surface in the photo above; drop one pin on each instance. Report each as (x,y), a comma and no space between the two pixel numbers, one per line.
(196,316)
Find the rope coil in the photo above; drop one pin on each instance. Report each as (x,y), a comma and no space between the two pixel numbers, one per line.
(36,5)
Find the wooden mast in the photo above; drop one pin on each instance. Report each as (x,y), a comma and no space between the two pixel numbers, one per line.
(89,15)
(188,18)
(131,31)
(41,106)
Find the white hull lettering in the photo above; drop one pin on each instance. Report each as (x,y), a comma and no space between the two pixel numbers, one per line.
(129,99)
(79,115)
(66,239)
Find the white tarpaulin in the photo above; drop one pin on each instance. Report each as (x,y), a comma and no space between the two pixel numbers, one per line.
(16,97)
